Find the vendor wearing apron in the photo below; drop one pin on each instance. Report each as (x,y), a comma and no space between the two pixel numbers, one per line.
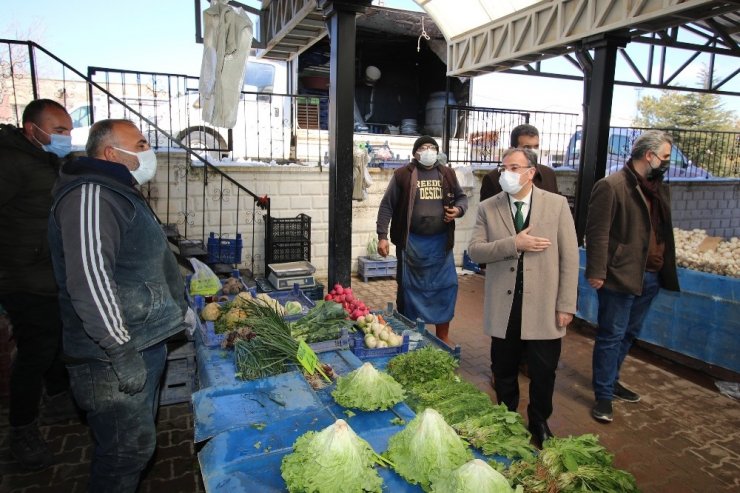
(421,203)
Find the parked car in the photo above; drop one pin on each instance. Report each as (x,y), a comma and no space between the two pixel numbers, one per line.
(618,152)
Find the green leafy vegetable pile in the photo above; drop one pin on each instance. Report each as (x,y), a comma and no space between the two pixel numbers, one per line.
(324,322)
(368,389)
(427,449)
(474,476)
(569,465)
(420,366)
(428,375)
(497,432)
(332,460)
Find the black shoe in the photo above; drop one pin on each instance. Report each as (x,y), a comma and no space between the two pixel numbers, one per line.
(29,448)
(602,411)
(623,393)
(540,432)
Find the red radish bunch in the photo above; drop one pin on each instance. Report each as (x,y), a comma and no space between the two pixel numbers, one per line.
(354,307)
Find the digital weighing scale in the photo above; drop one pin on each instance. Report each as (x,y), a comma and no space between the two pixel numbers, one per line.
(285,275)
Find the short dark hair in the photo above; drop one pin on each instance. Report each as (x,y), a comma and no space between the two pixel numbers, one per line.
(35,108)
(523,129)
(99,136)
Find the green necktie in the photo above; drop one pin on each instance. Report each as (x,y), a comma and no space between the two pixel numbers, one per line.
(518,217)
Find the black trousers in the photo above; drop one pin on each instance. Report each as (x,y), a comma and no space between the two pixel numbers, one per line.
(37,329)
(541,357)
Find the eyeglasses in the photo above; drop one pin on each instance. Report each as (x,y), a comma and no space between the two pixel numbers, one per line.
(427,147)
(516,169)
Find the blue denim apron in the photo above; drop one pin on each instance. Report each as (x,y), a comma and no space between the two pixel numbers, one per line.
(429,279)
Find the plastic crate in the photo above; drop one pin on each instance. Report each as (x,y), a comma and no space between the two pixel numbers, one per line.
(315,293)
(294,294)
(289,229)
(368,267)
(179,381)
(287,251)
(469,264)
(209,336)
(224,250)
(333,345)
(419,336)
(208,331)
(359,349)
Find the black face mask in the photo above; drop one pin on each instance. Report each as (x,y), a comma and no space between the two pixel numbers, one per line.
(658,173)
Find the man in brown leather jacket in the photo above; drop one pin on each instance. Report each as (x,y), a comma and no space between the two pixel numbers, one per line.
(630,255)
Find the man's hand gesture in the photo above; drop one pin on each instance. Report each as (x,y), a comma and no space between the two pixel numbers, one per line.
(527,243)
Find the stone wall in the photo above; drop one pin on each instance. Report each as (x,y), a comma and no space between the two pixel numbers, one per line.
(709,205)
(294,190)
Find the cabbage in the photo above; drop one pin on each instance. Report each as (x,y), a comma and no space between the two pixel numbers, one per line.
(368,389)
(427,449)
(333,460)
(474,476)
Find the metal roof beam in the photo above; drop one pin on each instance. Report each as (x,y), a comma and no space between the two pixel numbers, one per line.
(554,28)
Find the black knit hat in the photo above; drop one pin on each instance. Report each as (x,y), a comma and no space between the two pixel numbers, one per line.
(424,139)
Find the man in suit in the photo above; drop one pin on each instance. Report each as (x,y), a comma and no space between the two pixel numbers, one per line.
(527,239)
(522,137)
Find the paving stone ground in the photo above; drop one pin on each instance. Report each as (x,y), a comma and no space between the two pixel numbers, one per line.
(684,436)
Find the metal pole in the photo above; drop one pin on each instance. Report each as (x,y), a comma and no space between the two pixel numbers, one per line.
(595,132)
(340,19)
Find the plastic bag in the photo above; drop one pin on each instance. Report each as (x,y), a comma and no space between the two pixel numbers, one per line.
(372,247)
(204,282)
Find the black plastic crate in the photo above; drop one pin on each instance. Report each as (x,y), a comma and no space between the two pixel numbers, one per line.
(289,229)
(287,251)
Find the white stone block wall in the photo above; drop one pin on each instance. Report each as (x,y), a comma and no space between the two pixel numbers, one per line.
(294,190)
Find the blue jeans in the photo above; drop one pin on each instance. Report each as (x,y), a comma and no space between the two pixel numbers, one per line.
(620,320)
(122,425)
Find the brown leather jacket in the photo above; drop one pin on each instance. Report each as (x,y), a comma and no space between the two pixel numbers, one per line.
(618,232)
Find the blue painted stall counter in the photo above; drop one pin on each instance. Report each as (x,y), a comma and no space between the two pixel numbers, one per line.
(247,457)
(702,321)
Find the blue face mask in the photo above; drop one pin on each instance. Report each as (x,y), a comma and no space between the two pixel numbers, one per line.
(59,144)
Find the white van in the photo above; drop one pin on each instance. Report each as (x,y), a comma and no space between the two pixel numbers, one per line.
(618,152)
(262,128)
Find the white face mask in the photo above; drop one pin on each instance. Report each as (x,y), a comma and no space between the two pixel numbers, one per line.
(510,182)
(147,165)
(427,158)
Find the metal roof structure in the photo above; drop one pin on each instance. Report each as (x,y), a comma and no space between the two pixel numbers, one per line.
(516,35)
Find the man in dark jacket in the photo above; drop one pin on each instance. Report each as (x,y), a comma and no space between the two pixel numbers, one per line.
(29,166)
(121,297)
(422,201)
(630,255)
(522,137)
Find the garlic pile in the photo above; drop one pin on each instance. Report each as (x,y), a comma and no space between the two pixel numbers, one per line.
(724,260)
